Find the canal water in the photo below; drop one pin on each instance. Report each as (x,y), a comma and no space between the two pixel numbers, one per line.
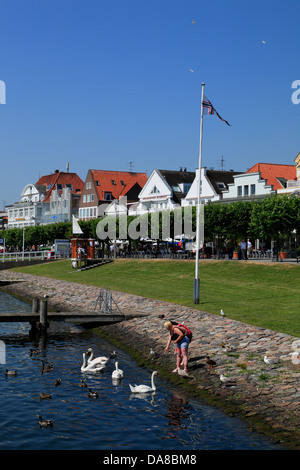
(116,419)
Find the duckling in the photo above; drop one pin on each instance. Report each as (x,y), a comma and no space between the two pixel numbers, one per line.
(93,394)
(45,396)
(83,383)
(210,362)
(45,422)
(57,382)
(46,368)
(11,372)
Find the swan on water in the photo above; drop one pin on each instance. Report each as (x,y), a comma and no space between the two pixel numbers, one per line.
(91,367)
(97,360)
(117,373)
(144,388)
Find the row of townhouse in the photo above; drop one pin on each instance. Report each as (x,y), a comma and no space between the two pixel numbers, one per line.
(60,195)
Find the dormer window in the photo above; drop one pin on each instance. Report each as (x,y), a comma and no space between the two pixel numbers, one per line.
(113,182)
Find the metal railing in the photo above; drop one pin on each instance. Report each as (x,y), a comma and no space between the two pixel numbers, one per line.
(29,255)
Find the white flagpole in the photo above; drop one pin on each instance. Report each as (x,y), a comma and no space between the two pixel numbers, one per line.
(197,280)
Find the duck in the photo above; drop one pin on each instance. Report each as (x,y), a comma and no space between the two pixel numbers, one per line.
(209,361)
(57,382)
(117,373)
(113,354)
(101,359)
(222,313)
(45,396)
(11,372)
(91,367)
(46,368)
(83,383)
(144,388)
(45,422)
(93,394)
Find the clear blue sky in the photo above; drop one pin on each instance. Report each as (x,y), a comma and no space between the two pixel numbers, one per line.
(101,83)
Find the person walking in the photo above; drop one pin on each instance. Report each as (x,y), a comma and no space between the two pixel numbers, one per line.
(178,334)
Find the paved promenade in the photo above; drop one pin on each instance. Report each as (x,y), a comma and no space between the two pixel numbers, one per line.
(266,396)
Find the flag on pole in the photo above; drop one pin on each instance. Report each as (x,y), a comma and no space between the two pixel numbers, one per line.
(76,227)
(207,108)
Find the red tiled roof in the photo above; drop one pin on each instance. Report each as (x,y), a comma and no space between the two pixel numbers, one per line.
(63,178)
(272,171)
(117,182)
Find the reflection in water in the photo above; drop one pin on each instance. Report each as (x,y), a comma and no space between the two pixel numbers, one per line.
(177,413)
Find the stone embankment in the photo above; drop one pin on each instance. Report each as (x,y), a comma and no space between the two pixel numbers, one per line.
(266,396)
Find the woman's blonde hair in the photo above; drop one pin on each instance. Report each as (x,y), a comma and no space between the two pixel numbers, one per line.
(168,324)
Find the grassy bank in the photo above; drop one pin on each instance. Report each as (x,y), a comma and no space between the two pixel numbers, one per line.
(262,294)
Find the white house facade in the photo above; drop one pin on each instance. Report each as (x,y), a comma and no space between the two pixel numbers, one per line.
(247,186)
(163,190)
(29,210)
(213,183)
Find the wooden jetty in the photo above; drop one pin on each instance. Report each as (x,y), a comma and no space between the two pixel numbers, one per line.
(39,317)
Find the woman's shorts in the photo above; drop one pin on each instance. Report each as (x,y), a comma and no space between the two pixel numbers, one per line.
(184,343)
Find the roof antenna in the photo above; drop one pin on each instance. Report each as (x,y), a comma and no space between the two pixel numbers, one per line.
(131,166)
(222,163)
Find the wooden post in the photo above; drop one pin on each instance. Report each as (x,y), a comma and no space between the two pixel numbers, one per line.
(35,305)
(43,313)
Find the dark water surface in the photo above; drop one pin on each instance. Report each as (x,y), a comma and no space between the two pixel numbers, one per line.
(117,419)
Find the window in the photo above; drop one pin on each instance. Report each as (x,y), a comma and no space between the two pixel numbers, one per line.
(246,190)
(97,183)
(113,182)
(221,185)
(59,186)
(239,190)
(186,187)
(252,188)
(88,198)
(69,186)
(84,198)
(107,196)
(92,197)
(154,190)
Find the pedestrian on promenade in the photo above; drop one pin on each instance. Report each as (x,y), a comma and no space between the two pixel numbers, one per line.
(178,334)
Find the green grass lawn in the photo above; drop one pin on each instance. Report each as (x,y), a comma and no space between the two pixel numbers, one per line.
(262,294)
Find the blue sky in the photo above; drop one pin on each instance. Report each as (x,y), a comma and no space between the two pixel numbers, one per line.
(101,83)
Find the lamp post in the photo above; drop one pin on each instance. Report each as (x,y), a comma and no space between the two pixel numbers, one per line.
(197,280)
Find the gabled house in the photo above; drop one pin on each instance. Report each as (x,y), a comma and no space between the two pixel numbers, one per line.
(63,191)
(164,190)
(29,209)
(54,198)
(213,182)
(261,180)
(102,187)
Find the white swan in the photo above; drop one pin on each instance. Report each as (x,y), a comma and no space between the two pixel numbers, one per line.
(91,367)
(144,388)
(97,360)
(117,373)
